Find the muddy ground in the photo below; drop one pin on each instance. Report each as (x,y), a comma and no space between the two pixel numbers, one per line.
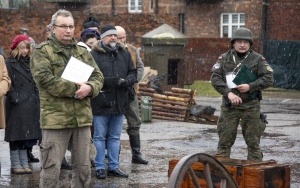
(166,140)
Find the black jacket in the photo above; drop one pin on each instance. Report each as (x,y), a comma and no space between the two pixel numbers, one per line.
(22,103)
(114,65)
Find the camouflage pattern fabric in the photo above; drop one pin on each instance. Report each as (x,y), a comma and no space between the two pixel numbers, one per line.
(246,114)
(256,62)
(59,109)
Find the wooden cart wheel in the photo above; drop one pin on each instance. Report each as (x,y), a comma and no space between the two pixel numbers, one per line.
(211,168)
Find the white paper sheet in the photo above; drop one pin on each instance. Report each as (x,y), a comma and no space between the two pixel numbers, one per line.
(77,71)
(229,80)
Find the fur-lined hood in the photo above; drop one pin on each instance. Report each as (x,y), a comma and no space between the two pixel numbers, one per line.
(98,47)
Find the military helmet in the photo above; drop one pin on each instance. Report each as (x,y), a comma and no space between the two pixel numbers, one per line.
(242,33)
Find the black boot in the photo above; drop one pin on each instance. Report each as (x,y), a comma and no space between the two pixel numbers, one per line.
(30,156)
(135,149)
(65,165)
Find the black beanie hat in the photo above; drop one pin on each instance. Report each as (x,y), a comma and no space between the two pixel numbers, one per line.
(90,33)
(108,30)
(90,22)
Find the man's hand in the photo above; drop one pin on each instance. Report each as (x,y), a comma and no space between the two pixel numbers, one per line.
(83,91)
(234,99)
(243,88)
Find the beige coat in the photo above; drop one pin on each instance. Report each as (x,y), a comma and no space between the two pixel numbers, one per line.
(4,87)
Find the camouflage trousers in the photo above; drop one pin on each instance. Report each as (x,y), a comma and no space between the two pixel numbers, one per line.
(53,148)
(248,116)
(133,117)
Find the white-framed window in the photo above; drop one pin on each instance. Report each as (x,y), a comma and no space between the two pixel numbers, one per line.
(230,22)
(135,6)
(13,4)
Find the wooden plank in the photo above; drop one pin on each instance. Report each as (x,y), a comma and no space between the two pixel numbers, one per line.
(169,106)
(179,103)
(251,178)
(180,90)
(143,84)
(261,181)
(149,90)
(170,97)
(167,114)
(182,103)
(167,118)
(181,95)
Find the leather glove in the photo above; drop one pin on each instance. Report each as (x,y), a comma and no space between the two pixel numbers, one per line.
(111,81)
(123,82)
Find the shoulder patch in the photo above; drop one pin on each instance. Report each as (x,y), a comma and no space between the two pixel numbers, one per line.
(269,68)
(216,66)
(220,57)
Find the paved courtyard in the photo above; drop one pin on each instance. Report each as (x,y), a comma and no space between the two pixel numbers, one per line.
(166,140)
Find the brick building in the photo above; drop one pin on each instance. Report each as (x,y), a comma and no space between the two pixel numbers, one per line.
(207,24)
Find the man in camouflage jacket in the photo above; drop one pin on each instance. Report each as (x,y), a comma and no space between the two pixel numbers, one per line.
(241,103)
(66,114)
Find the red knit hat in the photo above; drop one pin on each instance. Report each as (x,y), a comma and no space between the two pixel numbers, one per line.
(17,40)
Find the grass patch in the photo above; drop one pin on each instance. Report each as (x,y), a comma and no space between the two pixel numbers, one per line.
(205,89)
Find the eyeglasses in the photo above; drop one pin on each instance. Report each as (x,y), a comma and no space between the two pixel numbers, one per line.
(65,27)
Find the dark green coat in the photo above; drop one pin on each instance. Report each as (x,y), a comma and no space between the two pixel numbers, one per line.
(59,109)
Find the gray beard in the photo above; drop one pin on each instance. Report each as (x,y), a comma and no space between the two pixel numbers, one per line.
(112,44)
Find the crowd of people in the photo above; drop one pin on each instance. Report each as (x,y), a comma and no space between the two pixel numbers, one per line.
(40,107)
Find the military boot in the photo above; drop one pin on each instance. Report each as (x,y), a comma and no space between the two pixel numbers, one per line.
(65,165)
(135,144)
(255,154)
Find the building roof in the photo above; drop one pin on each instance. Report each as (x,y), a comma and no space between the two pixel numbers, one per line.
(164,35)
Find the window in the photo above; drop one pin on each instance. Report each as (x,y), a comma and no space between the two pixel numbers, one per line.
(13,4)
(135,6)
(230,22)
(152,4)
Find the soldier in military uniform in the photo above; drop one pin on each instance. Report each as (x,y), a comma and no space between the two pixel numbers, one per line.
(66,114)
(241,103)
